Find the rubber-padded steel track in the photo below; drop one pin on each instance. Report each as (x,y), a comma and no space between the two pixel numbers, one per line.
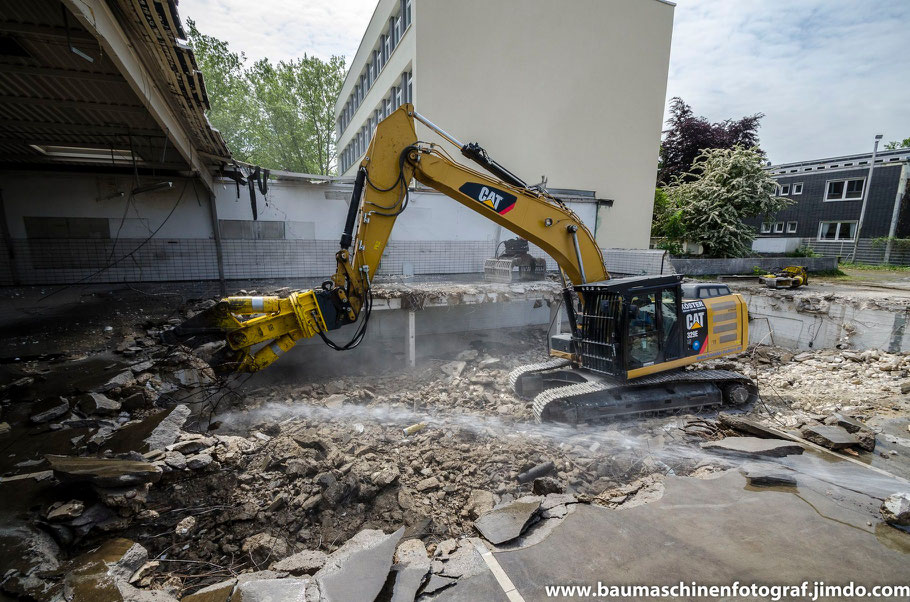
(520,371)
(720,378)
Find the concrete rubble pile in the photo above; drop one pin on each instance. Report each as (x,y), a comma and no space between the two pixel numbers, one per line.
(161,482)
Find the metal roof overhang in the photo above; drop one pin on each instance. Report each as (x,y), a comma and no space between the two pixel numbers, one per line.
(105,76)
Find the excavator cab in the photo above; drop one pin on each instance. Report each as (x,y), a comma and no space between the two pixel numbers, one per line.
(630,339)
(632,327)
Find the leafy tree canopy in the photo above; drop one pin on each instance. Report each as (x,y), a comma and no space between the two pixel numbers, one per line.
(894,145)
(689,135)
(279,116)
(709,203)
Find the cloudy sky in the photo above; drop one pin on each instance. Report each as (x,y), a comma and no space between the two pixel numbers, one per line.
(827,74)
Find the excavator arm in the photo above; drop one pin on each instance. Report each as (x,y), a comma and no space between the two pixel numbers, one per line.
(258,330)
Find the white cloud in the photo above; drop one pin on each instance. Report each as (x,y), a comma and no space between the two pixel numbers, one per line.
(828,74)
(282,29)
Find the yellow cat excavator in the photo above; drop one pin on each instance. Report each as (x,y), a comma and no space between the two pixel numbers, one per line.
(630,338)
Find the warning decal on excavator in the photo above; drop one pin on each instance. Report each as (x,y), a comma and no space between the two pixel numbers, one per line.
(498,200)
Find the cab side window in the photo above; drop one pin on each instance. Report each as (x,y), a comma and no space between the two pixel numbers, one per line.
(643,335)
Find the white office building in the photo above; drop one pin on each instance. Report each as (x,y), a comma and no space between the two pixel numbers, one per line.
(572,90)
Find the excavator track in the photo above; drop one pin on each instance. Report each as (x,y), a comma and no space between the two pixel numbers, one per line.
(517,373)
(669,392)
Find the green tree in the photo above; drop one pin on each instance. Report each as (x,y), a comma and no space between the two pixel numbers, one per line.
(709,204)
(280,116)
(228,90)
(894,145)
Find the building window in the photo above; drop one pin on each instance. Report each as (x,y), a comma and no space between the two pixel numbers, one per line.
(388,47)
(766,228)
(784,190)
(832,231)
(844,190)
(797,188)
(405,14)
(791,227)
(779,228)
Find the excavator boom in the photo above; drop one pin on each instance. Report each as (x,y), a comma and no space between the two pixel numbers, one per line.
(259,330)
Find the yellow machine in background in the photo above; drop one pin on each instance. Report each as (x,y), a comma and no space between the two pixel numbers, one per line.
(629,339)
(793,276)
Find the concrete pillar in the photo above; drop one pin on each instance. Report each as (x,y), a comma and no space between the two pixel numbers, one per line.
(8,241)
(411,340)
(216,231)
(555,317)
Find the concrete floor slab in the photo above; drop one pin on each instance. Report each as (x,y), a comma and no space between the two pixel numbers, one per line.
(714,532)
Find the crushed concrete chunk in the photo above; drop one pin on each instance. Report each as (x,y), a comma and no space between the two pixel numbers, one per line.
(168,429)
(263,547)
(306,562)
(271,590)
(67,511)
(754,446)
(359,568)
(896,509)
(506,522)
(832,437)
(103,472)
(767,474)
(428,483)
(124,379)
(97,403)
(408,579)
(437,584)
(50,409)
(743,424)
(217,592)
(865,436)
(453,369)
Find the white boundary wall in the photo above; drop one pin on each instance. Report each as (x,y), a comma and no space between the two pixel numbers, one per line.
(436,235)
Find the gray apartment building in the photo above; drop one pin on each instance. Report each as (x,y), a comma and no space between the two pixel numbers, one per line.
(828,198)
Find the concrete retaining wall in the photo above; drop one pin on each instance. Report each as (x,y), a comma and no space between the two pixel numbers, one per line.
(746,265)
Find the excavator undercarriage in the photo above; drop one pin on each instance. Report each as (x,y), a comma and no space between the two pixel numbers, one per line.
(559,393)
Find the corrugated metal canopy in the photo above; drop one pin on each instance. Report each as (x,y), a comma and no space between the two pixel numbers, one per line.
(59,89)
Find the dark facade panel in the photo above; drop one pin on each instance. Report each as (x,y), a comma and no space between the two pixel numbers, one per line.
(810,208)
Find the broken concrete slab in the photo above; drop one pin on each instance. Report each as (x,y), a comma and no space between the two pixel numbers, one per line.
(895,509)
(437,584)
(408,579)
(865,436)
(168,429)
(97,403)
(767,474)
(453,369)
(306,562)
(217,592)
(49,409)
(507,522)
(359,568)
(122,380)
(744,424)
(270,590)
(103,472)
(753,446)
(832,437)
(67,511)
